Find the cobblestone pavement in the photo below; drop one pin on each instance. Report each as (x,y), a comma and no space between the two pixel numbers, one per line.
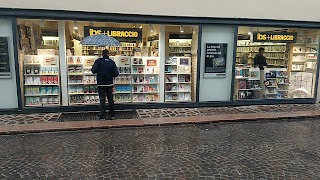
(255,150)
(167,112)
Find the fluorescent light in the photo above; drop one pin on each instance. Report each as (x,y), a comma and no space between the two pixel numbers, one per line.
(134,26)
(50,38)
(181,29)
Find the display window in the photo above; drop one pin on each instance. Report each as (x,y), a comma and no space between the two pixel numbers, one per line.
(276,63)
(39,62)
(141,79)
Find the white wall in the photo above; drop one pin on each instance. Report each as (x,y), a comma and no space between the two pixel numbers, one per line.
(216,89)
(271,9)
(8,88)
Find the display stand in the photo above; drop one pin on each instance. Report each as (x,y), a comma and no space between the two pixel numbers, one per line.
(41,80)
(276,83)
(178,79)
(248,83)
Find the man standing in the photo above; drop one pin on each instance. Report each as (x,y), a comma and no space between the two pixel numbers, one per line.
(106,70)
(260,60)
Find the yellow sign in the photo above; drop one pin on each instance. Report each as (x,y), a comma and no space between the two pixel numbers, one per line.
(274,37)
(118,33)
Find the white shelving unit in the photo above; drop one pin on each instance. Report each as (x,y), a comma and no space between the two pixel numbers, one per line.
(180,47)
(276,83)
(145,79)
(125,50)
(178,79)
(41,80)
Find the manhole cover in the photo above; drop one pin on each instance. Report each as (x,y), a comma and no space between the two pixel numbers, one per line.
(90,116)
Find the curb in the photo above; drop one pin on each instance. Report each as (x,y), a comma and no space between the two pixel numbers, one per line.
(88,125)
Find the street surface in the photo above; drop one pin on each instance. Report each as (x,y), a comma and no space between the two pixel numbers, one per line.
(243,150)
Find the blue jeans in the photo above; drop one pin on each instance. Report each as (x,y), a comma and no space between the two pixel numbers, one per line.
(106,91)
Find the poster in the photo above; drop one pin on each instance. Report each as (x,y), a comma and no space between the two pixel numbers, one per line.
(4,58)
(215,60)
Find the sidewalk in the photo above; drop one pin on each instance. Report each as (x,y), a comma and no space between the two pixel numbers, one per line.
(23,123)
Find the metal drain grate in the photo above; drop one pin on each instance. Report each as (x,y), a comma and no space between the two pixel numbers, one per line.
(90,116)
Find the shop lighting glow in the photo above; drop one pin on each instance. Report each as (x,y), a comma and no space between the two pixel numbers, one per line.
(181,29)
(42,23)
(151,28)
(75,25)
(140,27)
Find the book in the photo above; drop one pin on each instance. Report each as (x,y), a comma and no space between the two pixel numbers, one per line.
(36,100)
(181,78)
(43,90)
(168,87)
(44,80)
(50,80)
(36,80)
(28,70)
(49,90)
(55,90)
(55,80)
(35,90)
(70,60)
(55,100)
(29,80)
(181,97)
(140,70)
(168,78)
(242,84)
(28,59)
(184,61)
(44,101)
(29,100)
(29,90)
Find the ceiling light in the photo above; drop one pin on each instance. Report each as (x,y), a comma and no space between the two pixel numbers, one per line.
(140,27)
(251,31)
(134,26)
(75,25)
(181,29)
(42,23)
(151,28)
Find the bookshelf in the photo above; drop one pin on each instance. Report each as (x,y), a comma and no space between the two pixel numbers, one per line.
(178,79)
(125,50)
(275,53)
(180,47)
(145,79)
(41,80)
(248,83)
(276,85)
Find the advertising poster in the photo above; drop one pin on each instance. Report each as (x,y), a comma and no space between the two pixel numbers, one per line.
(4,58)
(215,60)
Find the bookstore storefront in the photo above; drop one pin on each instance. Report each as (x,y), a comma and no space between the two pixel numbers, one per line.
(276,63)
(161,64)
(55,68)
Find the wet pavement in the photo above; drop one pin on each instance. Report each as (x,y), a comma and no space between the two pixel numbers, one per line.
(242,150)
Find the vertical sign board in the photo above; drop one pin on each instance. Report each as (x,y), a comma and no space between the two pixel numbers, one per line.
(215,60)
(4,58)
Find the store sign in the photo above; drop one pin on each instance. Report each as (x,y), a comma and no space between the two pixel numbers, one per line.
(121,34)
(4,58)
(276,37)
(215,60)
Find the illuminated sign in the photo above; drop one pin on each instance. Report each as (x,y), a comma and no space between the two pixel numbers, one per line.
(121,34)
(277,37)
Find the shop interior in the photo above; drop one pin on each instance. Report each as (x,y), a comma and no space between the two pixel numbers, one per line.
(141,79)
(290,70)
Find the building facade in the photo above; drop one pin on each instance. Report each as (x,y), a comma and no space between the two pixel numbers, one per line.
(170,56)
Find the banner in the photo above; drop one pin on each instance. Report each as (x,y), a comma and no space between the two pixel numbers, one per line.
(121,34)
(4,58)
(215,60)
(275,37)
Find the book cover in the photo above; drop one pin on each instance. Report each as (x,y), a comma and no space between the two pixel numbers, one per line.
(44,100)
(96,99)
(28,59)
(168,87)
(70,60)
(86,99)
(28,70)
(29,90)
(35,90)
(55,100)
(187,78)
(43,90)
(141,98)
(242,84)
(50,80)
(245,73)
(36,100)
(174,97)
(135,98)
(174,87)
(140,88)
(55,90)
(135,70)
(181,97)
(36,80)
(29,80)
(169,78)
(49,90)
(151,62)
(184,61)
(168,97)
(55,80)
(187,97)
(182,78)
(146,88)
(273,74)
(140,70)
(29,100)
